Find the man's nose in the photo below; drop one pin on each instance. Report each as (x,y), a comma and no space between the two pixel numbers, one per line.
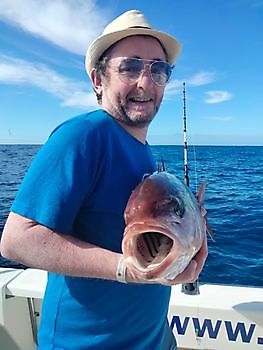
(145,77)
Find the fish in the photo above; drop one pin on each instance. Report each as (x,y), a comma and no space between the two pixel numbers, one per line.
(165,225)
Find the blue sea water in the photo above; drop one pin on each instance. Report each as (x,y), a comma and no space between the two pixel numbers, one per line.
(234,202)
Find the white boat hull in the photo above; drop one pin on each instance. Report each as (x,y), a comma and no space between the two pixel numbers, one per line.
(219,318)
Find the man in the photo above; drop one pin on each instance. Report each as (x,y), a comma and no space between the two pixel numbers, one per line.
(67,217)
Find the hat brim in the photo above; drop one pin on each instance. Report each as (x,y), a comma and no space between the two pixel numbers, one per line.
(103,42)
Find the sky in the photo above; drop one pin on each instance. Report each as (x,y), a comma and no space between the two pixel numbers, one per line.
(43,80)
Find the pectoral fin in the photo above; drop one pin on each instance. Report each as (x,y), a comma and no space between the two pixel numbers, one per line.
(200,199)
(201,194)
(209,230)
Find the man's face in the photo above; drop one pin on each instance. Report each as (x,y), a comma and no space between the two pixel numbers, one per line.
(135,103)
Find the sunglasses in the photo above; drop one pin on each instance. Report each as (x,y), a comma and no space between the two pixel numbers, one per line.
(130,70)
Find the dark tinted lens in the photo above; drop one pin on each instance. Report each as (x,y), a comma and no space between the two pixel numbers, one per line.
(161,72)
(131,68)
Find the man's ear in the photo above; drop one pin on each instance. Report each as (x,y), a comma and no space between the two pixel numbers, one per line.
(96,81)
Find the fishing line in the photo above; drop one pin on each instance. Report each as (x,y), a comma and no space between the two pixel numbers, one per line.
(186,138)
(194,161)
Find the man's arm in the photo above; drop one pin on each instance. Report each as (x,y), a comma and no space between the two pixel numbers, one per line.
(35,245)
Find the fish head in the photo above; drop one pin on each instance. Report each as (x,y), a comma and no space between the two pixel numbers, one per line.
(156,196)
(164,227)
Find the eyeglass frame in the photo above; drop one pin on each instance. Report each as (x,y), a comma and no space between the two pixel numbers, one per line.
(142,71)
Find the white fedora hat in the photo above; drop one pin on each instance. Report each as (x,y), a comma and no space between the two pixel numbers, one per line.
(129,23)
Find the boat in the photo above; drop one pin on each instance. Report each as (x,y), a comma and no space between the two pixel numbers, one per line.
(218,317)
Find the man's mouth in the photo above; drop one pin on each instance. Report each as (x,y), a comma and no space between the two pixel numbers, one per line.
(140,99)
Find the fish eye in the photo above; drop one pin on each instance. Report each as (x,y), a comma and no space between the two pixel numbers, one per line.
(178,207)
(171,204)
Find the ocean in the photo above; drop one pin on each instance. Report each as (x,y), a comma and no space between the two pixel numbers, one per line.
(234,202)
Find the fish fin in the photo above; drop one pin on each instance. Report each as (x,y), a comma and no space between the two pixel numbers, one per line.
(145,176)
(209,230)
(203,211)
(201,194)
(200,199)
(160,166)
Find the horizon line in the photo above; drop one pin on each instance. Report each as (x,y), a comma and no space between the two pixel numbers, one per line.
(155,144)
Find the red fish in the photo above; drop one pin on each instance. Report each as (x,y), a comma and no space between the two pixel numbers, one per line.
(165,226)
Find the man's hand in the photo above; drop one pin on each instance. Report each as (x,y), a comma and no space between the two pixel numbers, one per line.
(192,271)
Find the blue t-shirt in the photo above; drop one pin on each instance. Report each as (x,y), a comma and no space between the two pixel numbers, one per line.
(79,184)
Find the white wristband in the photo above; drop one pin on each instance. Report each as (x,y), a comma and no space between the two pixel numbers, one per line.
(121,271)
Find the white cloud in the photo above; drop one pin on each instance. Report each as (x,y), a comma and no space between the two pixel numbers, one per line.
(72,93)
(175,86)
(220,118)
(218,96)
(201,78)
(70,24)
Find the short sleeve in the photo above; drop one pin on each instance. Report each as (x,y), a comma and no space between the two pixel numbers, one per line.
(62,174)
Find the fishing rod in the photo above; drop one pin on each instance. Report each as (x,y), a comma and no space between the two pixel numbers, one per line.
(186,177)
(187,288)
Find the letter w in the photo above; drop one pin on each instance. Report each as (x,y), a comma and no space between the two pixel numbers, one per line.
(232,335)
(180,328)
(207,324)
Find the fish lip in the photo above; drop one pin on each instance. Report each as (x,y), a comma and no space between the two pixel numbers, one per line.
(141,227)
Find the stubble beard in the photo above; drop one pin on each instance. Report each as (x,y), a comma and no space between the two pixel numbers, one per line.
(122,113)
(139,120)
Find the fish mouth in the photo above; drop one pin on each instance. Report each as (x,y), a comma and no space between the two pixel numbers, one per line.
(155,250)
(148,246)
(151,248)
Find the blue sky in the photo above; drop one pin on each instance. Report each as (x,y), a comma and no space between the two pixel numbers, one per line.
(43,80)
